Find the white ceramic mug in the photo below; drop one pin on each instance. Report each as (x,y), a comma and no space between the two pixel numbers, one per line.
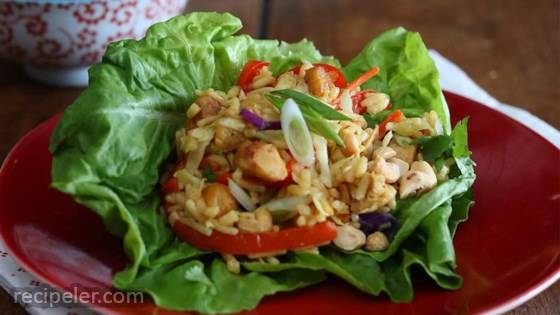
(57,42)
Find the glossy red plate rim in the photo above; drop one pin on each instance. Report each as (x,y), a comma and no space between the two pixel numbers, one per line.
(499,308)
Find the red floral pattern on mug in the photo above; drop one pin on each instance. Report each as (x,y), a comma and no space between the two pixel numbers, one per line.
(90,57)
(172,7)
(86,38)
(32,9)
(123,13)
(49,48)
(118,36)
(64,6)
(36,26)
(74,34)
(91,13)
(151,11)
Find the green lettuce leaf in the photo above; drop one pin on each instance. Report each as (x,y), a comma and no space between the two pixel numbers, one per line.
(408,73)
(213,288)
(111,142)
(110,146)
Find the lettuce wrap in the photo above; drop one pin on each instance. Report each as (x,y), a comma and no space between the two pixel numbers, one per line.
(112,142)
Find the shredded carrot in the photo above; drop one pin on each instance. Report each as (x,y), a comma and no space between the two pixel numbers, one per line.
(363,78)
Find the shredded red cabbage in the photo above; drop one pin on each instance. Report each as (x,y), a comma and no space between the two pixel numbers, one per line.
(257,121)
(377,221)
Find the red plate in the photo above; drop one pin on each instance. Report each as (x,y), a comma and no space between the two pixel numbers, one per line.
(507,252)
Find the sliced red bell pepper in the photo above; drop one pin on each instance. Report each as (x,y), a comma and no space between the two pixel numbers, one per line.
(395,116)
(249,72)
(357,101)
(254,243)
(172,184)
(223,178)
(289,179)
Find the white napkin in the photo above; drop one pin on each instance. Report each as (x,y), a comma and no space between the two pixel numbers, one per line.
(453,79)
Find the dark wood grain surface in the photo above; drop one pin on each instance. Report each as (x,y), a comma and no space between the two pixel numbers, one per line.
(511,48)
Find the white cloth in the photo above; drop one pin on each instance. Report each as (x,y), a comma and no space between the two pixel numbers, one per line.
(453,79)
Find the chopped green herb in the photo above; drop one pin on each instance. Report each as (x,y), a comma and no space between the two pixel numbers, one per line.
(439,163)
(433,147)
(460,144)
(320,107)
(315,122)
(209,174)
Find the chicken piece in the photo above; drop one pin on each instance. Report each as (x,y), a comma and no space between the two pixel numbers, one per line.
(218,195)
(227,139)
(208,106)
(318,80)
(262,160)
(405,152)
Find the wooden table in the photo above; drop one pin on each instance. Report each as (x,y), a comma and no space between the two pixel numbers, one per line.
(511,48)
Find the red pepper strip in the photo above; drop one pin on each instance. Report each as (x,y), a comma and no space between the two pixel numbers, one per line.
(363,78)
(395,116)
(249,72)
(223,178)
(337,77)
(254,243)
(172,185)
(289,179)
(295,69)
(357,100)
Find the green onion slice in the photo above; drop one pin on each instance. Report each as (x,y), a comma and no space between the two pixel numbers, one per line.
(296,133)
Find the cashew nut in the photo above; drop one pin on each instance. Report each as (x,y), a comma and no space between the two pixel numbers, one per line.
(376,102)
(351,143)
(391,171)
(349,237)
(420,178)
(376,241)
(385,152)
(405,153)
(403,166)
